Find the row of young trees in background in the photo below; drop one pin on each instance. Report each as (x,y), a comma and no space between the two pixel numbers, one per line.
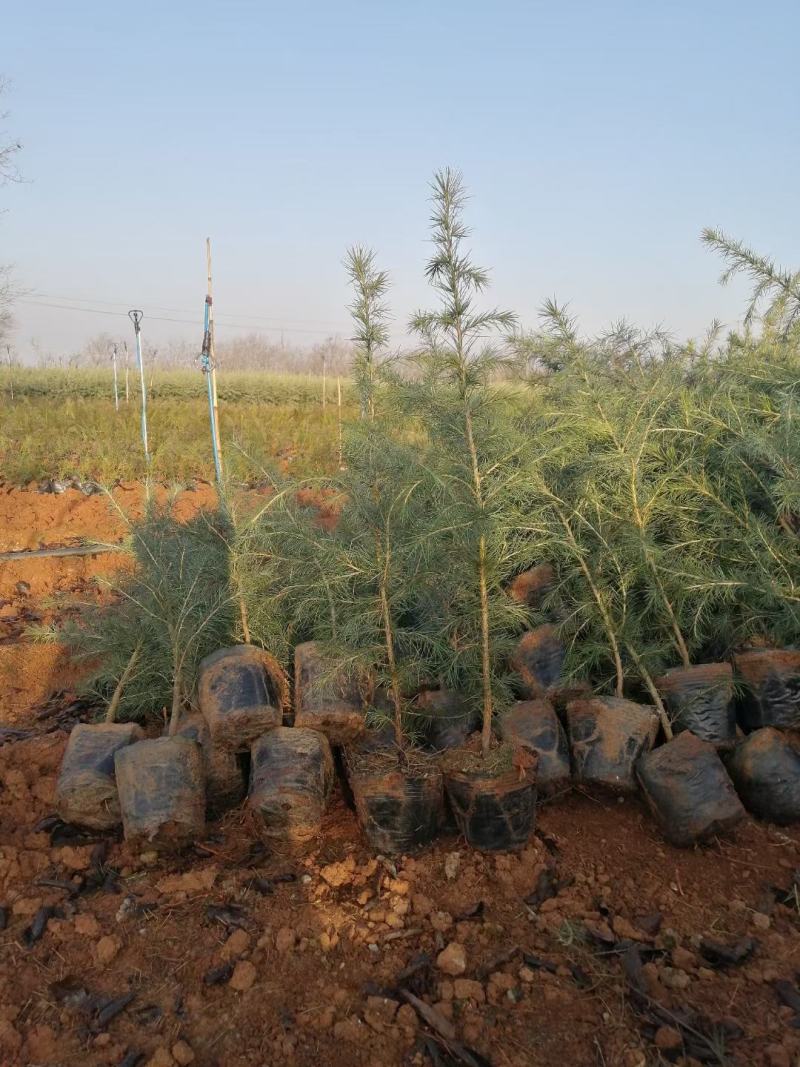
(251,352)
(661,482)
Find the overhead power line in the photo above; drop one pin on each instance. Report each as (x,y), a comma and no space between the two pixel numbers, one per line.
(36,295)
(183,322)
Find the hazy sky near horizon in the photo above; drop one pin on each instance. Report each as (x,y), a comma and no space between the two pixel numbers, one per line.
(596,139)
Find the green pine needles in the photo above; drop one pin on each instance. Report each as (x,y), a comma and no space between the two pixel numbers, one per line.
(371,318)
(660,481)
(144,643)
(382,566)
(772,284)
(474,450)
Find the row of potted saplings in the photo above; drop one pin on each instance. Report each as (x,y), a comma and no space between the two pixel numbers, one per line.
(161,789)
(690,782)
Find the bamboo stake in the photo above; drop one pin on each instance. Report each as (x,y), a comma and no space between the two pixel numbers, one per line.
(127,369)
(213,358)
(10,372)
(116,390)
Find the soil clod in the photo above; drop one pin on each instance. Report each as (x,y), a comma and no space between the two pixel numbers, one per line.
(701,699)
(448,719)
(538,660)
(533,724)
(493,812)
(399,802)
(771,677)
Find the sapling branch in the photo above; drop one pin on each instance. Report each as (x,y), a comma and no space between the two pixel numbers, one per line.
(394,678)
(646,677)
(111,713)
(597,595)
(450,336)
(370,316)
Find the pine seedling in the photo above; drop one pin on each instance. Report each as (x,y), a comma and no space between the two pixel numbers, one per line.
(279,553)
(773,285)
(475,449)
(174,607)
(381,568)
(550,349)
(741,474)
(612,504)
(370,316)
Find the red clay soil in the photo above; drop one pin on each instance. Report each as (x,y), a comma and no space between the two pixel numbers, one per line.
(33,520)
(213,958)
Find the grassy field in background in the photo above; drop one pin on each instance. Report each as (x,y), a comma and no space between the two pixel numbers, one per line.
(62,423)
(257,387)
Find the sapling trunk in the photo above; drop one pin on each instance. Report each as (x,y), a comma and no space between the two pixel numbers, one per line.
(486,661)
(597,596)
(244,620)
(622,449)
(394,680)
(236,580)
(111,713)
(651,689)
(388,632)
(677,635)
(680,644)
(177,703)
(177,691)
(460,329)
(486,649)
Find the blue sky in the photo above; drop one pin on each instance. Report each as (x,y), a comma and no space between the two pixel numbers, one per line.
(596,139)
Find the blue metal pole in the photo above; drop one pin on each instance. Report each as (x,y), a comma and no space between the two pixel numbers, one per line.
(205,360)
(136,318)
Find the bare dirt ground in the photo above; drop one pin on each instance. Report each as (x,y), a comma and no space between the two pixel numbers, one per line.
(593,947)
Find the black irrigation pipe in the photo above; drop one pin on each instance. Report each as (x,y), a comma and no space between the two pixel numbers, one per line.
(63,550)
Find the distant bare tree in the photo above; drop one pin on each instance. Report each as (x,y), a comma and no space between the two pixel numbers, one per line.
(8,173)
(6,300)
(97,351)
(252,352)
(255,352)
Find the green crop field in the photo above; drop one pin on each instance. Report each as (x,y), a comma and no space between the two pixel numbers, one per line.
(60,423)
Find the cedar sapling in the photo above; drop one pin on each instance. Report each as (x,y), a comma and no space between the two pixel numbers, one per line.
(376,564)
(380,568)
(380,571)
(370,316)
(771,282)
(175,606)
(362,590)
(279,551)
(475,447)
